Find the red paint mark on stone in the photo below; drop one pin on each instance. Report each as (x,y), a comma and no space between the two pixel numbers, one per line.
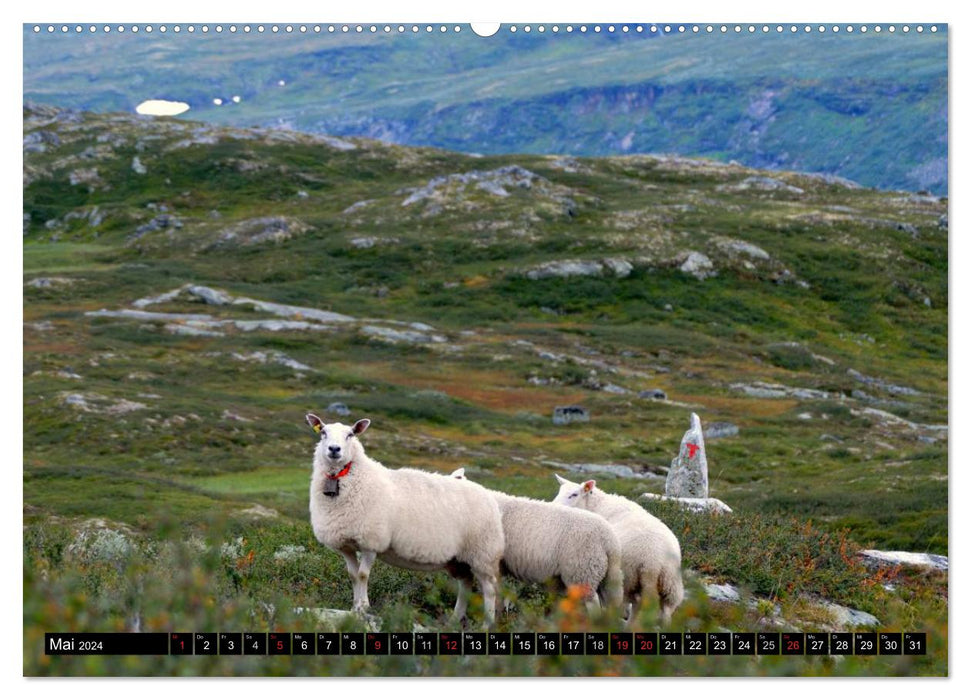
(692,448)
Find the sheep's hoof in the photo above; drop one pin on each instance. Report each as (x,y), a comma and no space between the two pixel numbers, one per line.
(460,622)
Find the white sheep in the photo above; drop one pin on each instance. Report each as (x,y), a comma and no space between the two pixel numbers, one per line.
(409,518)
(545,541)
(650,551)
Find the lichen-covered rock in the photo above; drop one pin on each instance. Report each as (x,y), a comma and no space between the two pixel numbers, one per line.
(619,470)
(570,414)
(86,176)
(764,184)
(273,229)
(392,335)
(698,265)
(688,477)
(737,247)
(339,408)
(158,223)
(719,429)
(96,541)
(49,282)
(97,403)
(877,558)
(655,394)
(766,390)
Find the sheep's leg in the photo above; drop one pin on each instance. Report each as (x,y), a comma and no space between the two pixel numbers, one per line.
(462,602)
(350,561)
(463,574)
(359,568)
(634,609)
(487,582)
(592,601)
(365,562)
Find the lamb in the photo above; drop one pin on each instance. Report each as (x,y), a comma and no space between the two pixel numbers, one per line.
(650,551)
(545,541)
(409,518)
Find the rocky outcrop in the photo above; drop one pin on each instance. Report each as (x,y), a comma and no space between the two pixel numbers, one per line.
(458,189)
(882,385)
(618,267)
(717,430)
(265,229)
(766,390)
(97,403)
(762,184)
(654,394)
(876,558)
(698,265)
(570,414)
(158,223)
(393,335)
(272,357)
(825,615)
(621,471)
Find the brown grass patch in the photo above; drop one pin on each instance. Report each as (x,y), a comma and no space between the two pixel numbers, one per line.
(740,406)
(493,389)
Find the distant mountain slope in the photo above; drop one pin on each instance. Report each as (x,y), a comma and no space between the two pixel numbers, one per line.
(866,107)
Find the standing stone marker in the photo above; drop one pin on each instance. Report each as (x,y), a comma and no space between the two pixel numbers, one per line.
(688,477)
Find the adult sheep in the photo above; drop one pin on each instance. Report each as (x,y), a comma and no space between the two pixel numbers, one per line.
(409,518)
(650,551)
(546,541)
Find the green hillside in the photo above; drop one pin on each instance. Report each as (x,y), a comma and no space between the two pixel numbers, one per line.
(868,107)
(191,291)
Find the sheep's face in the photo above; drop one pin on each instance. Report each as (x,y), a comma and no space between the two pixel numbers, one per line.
(574,495)
(338,444)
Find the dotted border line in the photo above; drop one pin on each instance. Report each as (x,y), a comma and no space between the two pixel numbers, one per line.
(513,28)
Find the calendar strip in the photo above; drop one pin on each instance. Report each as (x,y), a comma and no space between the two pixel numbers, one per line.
(488,643)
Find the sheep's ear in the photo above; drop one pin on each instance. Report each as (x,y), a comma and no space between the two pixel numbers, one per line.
(588,486)
(561,480)
(315,423)
(459,473)
(361,426)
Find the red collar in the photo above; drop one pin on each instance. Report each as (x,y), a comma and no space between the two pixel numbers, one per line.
(342,472)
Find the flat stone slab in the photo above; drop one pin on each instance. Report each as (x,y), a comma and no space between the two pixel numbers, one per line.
(712,505)
(878,558)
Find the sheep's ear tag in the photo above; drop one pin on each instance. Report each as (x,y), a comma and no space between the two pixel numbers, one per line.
(588,485)
(317,428)
(332,487)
